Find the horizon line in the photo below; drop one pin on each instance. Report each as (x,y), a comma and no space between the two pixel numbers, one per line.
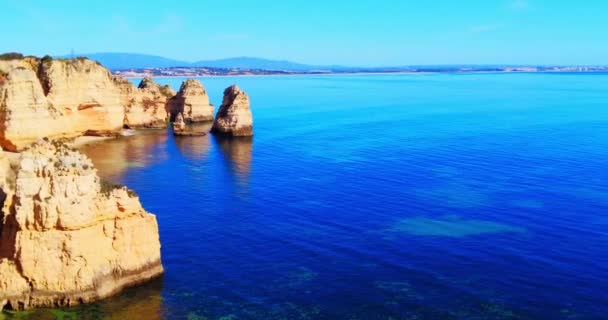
(340,65)
(287,60)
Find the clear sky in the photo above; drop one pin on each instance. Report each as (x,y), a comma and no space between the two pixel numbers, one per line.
(356,32)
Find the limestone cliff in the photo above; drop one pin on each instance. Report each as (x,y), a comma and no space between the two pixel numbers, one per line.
(84,91)
(145,105)
(234,116)
(67,238)
(25,112)
(192,101)
(55,98)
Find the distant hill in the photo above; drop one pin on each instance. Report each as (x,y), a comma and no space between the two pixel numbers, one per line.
(254,63)
(118,61)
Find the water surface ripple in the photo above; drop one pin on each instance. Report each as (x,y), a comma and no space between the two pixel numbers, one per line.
(477,196)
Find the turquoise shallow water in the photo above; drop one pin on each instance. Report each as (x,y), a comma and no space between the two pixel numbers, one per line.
(439,196)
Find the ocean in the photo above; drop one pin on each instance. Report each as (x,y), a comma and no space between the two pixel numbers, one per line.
(423,196)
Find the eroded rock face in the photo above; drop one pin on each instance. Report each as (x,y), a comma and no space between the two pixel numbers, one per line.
(55,98)
(25,112)
(192,102)
(234,116)
(146,104)
(67,238)
(84,91)
(179,125)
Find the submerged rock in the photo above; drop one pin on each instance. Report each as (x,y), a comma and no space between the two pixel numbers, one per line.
(192,102)
(234,116)
(103,133)
(66,237)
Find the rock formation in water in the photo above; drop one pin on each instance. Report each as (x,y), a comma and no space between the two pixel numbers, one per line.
(66,237)
(146,104)
(192,101)
(55,98)
(179,125)
(234,116)
(180,129)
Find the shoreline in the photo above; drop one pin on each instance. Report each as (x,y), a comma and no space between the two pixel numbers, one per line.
(357,73)
(81,141)
(274,75)
(86,140)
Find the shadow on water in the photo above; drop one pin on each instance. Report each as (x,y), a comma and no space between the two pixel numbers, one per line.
(141,302)
(113,157)
(195,147)
(237,152)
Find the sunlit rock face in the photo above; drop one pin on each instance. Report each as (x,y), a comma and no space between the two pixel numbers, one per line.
(192,102)
(145,105)
(234,116)
(82,89)
(67,238)
(25,112)
(56,98)
(179,125)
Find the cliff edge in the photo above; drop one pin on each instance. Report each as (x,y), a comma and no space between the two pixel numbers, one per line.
(55,98)
(66,237)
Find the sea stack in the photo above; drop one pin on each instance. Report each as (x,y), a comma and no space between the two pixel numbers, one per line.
(65,236)
(145,105)
(234,116)
(192,102)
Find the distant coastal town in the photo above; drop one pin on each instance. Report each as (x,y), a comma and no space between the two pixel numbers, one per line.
(210,71)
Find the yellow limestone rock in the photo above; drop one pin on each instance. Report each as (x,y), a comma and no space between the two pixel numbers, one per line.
(67,238)
(25,112)
(234,116)
(82,89)
(192,102)
(145,105)
(56,98)
(179,125)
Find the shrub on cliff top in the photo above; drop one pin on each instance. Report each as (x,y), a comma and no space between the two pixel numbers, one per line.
(11,56)
(46,59)
(107,188)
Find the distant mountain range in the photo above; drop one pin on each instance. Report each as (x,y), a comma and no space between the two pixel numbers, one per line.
(133,64)
(122,61)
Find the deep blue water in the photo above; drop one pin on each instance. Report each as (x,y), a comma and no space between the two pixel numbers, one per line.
(450,196)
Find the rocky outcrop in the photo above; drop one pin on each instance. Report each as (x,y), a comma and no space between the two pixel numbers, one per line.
(180,129)
(25,112)
(66,237)
(192,102)
(179,125)
(145,105)
(234,116)
(56,98)
(65,98)
(83,90)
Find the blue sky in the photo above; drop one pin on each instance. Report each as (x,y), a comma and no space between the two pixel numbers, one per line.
(357,32)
